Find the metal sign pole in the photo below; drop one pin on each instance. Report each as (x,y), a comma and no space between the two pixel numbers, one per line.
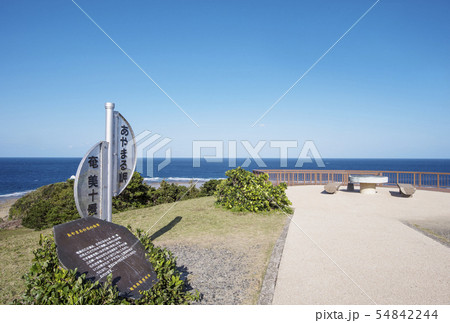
(109,107)
(107,168)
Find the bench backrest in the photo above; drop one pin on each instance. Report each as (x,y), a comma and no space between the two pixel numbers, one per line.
(332,187)
(406,189)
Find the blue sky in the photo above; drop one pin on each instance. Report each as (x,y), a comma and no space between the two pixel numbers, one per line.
(382,91)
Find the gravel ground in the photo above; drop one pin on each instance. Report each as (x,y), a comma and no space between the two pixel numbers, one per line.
(220,275)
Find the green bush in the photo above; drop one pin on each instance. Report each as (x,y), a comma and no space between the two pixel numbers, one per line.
(168,193)
(136,195)
(47,206)
(49,284)
(210,187)
(245,191)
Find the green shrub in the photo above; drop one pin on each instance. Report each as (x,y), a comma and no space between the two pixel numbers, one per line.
(210,187)
(48,283)
(168,193)
(245,191)
(136,195)
(47,206)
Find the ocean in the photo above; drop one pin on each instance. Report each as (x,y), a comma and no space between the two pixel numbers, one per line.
(21,175)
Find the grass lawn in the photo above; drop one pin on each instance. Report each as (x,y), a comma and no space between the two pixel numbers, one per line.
(196,222)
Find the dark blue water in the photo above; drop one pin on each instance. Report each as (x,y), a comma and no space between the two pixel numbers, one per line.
(183,167)
(19,175)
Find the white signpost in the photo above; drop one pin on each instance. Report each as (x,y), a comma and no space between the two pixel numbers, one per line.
(106,169)
(93,245)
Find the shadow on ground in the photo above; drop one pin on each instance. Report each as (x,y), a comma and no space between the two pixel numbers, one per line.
(398,194)
(166,228)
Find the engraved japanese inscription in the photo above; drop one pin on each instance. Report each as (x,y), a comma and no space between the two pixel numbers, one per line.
(99,248)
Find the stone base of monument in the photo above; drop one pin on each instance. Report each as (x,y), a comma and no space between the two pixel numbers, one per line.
(98,248)
(368,188)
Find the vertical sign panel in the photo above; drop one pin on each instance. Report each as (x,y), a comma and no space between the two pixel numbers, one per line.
(91,182)
(124,153)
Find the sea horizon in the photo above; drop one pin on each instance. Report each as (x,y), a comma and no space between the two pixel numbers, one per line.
(20,175)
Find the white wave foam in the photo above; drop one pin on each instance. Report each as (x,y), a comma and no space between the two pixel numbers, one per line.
(177,179)
(15,194)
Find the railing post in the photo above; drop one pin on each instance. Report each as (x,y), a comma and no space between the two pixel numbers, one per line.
(438,185)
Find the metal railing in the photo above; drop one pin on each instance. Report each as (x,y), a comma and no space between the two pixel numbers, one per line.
(423,180)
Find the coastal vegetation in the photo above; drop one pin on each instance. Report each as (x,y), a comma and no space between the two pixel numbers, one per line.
(138,194)
(54,204)
(242,191)
(45,207)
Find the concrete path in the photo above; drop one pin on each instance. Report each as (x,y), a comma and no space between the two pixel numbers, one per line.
(350,248)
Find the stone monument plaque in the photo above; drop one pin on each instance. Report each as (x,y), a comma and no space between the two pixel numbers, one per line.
(98,248)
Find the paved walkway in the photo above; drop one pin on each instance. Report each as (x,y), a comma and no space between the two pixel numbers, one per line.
(350,248)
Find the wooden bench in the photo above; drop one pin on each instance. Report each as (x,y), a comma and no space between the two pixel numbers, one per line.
(332,188)
(406,189)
